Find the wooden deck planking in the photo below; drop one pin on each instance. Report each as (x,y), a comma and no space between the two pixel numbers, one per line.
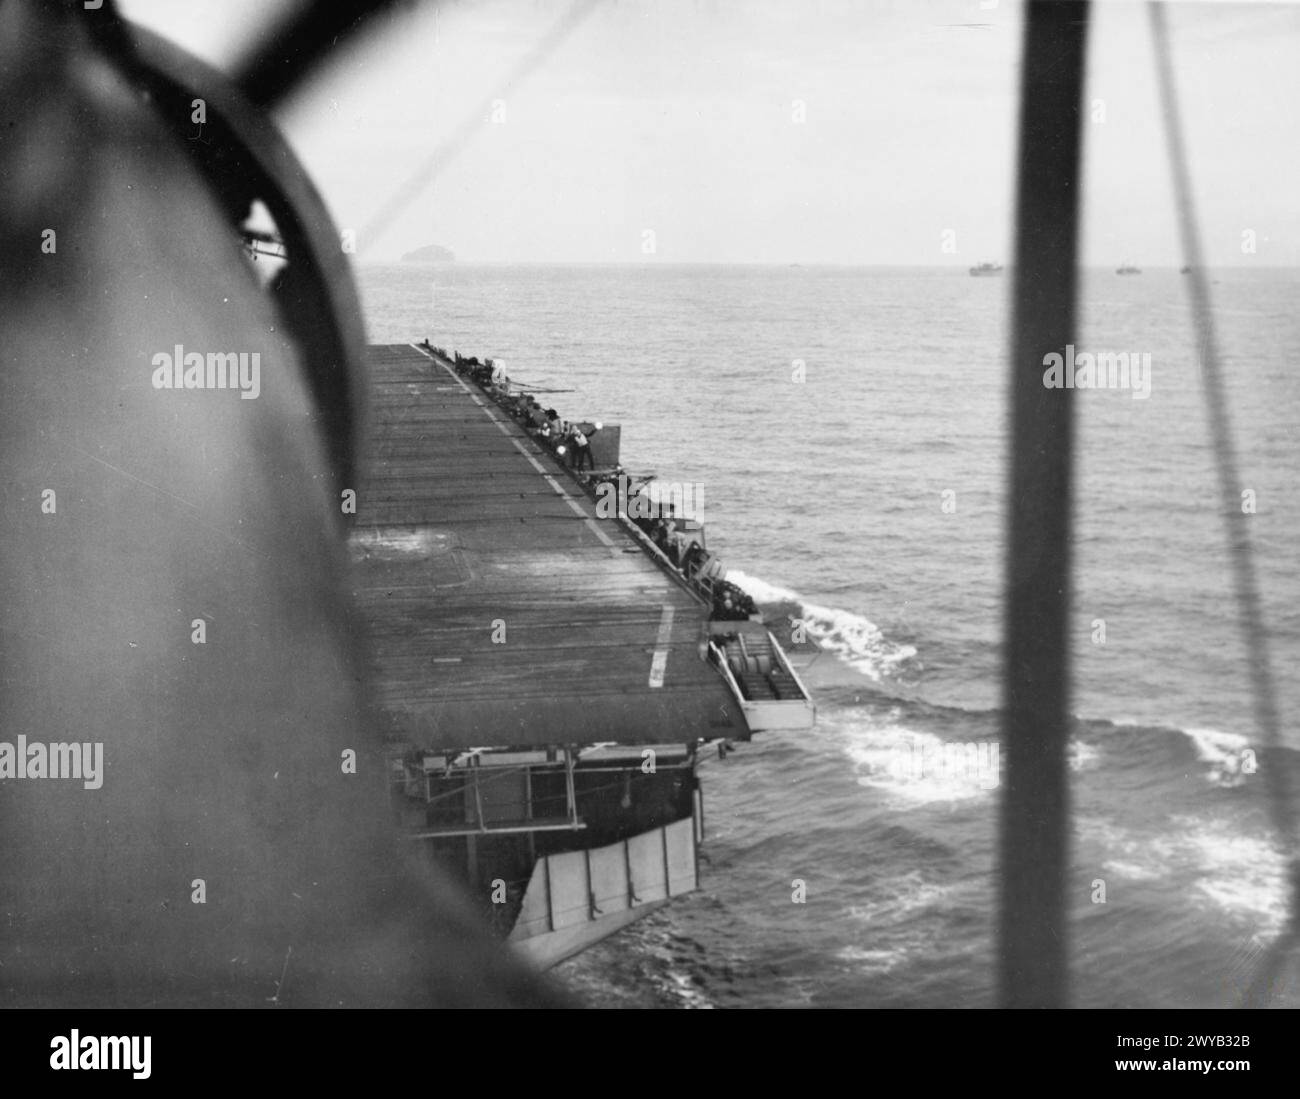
(464,524)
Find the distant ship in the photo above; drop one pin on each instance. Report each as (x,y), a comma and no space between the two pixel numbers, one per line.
(986,269)
(1127,269)
(1185,270)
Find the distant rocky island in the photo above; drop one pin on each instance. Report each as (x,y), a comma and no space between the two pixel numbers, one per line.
(430,253)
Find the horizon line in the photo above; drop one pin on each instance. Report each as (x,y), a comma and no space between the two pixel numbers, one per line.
(783,264)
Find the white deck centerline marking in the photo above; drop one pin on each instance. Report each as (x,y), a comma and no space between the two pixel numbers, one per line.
(660,662)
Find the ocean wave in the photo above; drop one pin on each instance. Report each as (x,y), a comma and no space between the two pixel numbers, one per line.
(899,898)
(1131,870)
(1230,758)
(906,918)
(1226,753)
(1083,756)
(922,767)
(1239,873)
(919,767)
(1148,856)
(681,987)
(861,644)
(871,962)
(852,637)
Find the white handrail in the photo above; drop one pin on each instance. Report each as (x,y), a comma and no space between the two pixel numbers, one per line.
(720,658)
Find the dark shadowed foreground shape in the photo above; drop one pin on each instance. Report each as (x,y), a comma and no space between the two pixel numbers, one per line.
(1034,933)
(222,761)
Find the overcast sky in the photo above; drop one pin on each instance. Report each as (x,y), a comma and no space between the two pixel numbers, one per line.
(684,117)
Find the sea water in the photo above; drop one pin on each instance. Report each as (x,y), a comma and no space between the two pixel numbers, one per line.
(850,428)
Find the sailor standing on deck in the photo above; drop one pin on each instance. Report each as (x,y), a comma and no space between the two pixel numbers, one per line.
(582,447)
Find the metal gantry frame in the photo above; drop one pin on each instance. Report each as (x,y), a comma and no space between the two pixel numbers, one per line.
(473,770)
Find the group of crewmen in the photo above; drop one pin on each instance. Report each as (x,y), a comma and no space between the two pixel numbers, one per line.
(572,442)
(687,553)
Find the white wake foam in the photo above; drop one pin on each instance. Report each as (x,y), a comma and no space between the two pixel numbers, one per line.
(1226,753)
(919,767)
(1230,756)
(854,638)
(1083,757)
(872,963)
(1240,874)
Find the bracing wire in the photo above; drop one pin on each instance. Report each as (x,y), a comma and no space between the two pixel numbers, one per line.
(449,149)
(1245,583)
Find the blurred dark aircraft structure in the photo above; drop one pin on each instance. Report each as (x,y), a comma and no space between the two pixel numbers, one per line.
(173,580)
